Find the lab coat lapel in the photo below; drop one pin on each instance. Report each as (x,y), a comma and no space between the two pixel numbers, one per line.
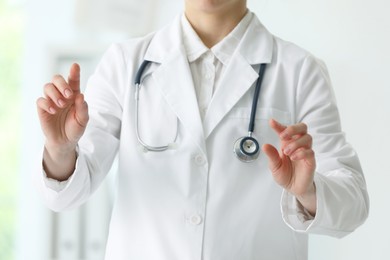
(239,77)
(255,48)
(174,79)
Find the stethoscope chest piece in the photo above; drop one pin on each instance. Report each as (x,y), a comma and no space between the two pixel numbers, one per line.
(247,149)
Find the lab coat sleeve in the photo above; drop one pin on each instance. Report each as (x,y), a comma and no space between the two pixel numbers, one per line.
(98,146)
(342,199)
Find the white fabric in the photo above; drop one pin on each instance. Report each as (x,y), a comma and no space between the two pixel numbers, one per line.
(198,201)
(207,65)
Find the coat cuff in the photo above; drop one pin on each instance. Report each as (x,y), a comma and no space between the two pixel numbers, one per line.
(58,186)
(295,215)
(53,184)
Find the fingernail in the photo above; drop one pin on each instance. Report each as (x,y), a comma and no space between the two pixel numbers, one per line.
(67,93)
(287,151)
(52,110)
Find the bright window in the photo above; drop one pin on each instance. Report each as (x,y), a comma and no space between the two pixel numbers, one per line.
(11,29)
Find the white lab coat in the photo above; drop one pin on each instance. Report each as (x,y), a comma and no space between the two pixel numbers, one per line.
(197,200)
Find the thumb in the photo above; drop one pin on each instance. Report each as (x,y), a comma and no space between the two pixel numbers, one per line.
(274,160)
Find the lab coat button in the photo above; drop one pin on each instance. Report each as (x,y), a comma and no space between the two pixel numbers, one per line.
(200,160)
(195,220)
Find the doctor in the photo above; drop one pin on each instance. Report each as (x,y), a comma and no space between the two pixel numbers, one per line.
(196,199)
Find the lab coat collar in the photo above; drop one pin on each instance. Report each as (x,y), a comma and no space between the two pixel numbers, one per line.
(225,49)
(175,79)
(165,42)
(192,43)
(256,46)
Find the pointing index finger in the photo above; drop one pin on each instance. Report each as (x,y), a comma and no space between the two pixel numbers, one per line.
(278,127)
(294,130)
(74,78)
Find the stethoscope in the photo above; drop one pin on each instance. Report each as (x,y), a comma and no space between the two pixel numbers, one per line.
(247,148)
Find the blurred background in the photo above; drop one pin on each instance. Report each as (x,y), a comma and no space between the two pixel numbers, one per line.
(40,38)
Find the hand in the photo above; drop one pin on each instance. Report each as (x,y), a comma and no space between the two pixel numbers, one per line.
(293,167)
(63,114)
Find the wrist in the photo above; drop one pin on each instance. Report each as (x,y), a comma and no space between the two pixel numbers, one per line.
(59,150)
(309,199)
(59,161)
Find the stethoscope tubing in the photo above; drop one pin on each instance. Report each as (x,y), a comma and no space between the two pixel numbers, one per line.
(137,83)
(247,148)
(256,99)
(242,152)
(138,75)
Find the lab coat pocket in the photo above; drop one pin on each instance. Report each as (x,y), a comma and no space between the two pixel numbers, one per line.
(262,130)
(157,123)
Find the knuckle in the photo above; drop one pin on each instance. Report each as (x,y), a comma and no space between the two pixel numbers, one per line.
(291,128)
(294,145)
(59,82)
(309,138)
(289,131)
(57,77)
(303,127)
(38,102)
(42,103)
(48,86)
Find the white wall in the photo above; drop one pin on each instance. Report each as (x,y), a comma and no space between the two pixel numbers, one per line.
(351,36)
